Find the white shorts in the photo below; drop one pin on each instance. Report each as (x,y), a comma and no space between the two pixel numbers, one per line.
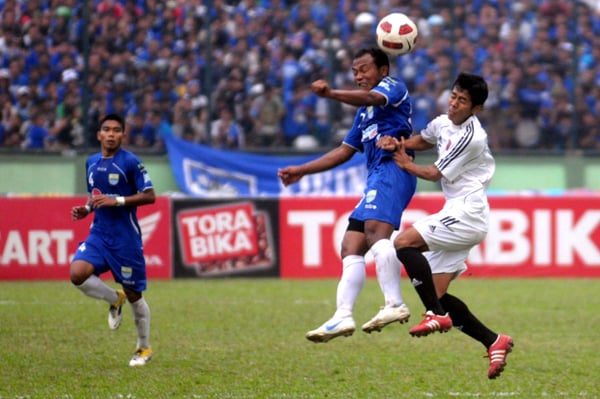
(450,235)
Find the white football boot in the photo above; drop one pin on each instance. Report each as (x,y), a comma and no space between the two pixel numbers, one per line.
(385,316)
(332,328)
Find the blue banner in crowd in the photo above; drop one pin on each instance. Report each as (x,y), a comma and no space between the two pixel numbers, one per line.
(203,171)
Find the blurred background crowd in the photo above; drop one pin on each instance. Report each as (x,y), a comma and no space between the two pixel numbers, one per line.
(237,74)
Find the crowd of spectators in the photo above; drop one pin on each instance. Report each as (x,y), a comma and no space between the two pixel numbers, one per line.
(236,74)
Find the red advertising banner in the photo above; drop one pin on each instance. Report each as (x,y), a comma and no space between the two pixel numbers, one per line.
(210,234)
(529,236)
(225,237)
(38,237)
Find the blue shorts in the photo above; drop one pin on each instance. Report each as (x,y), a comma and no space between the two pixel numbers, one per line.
(127,265)
(386,197)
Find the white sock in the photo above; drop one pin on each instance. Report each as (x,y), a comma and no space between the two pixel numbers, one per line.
(95,288)
(141,316)
(350,285)
(388,271)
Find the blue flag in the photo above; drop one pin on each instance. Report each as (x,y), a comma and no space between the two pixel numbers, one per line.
(203,171)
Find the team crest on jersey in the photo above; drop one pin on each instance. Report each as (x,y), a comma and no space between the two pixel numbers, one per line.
(113,179)
(126,271)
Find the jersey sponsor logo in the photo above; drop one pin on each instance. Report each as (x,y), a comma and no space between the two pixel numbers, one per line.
(113,179)
(369,133)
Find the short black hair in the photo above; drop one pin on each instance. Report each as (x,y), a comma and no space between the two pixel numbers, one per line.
(112,117)
(379,56)
(475,85)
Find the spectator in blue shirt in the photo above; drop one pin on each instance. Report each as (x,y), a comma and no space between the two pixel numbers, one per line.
(36,135)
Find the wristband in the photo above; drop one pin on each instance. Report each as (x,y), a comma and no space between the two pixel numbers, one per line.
(120,201)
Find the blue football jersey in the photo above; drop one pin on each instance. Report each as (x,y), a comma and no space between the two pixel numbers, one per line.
(123,174)
(389,189)
(391,119)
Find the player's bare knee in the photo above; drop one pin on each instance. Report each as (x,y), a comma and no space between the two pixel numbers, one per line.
(80,272)
(401,242)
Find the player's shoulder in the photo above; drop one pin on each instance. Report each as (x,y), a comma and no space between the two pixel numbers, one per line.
(94,158)
(475,125)
(127,155)
(392,83)
(441,121)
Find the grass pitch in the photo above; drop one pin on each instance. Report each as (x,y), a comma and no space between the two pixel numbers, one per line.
(245,339)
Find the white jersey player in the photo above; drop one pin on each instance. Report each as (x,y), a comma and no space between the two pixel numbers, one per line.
(435,248)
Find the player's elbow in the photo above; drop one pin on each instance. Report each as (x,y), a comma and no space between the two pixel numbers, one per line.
(431,173)
(149,197)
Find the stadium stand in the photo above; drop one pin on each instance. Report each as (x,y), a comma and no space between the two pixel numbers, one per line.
(172,67)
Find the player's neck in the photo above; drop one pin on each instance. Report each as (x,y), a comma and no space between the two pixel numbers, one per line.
(109,153)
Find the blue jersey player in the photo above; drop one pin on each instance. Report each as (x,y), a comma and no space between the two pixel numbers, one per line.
(384,110)
(117,184)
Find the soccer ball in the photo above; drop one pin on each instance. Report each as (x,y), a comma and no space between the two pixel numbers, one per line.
(396,34)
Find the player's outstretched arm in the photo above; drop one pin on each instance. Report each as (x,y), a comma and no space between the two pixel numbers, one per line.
(414,142)
(360,97)
(335,157)
(405,162)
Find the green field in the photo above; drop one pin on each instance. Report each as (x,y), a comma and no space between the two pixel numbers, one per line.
(245,339)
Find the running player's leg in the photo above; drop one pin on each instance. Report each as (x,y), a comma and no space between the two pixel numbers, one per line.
(87,264)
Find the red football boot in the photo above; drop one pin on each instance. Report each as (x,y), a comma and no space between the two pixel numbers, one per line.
(497,353)
(431,323)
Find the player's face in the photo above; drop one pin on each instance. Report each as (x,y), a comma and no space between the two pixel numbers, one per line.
(366,74)
(460,106)
(110,136)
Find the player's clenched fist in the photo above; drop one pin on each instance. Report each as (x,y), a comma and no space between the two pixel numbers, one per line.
(79,212)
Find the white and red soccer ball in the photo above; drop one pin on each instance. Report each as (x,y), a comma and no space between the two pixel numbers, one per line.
(396,34)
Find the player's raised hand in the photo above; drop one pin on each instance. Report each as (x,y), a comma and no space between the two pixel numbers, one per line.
(320,88)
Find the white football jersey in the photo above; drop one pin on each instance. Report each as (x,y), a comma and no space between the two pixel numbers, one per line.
(464,158)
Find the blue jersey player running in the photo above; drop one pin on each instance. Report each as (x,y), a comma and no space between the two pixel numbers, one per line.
(384,110)
(117,183)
